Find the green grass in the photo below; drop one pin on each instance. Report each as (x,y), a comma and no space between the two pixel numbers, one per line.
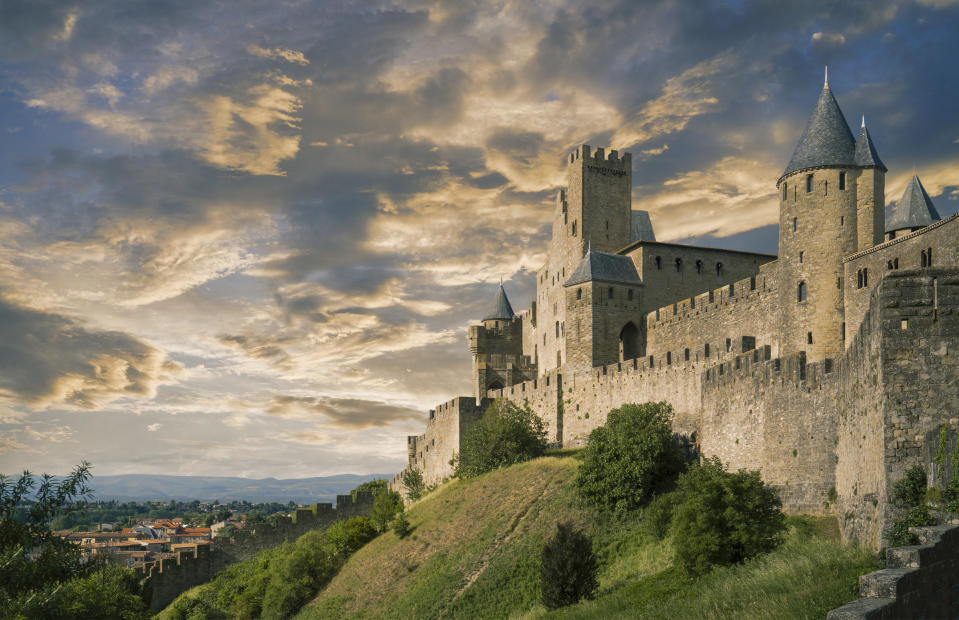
(474,553)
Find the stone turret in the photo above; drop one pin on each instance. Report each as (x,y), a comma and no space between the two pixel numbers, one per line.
(497,348)
(817,227)
(913,211)
(870,192)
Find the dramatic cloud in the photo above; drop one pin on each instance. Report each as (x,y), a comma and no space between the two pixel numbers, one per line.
(346,412)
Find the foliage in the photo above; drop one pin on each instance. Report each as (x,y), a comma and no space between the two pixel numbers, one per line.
(401,525)
(917,516)
(723,517)
(506,434)
(568,572)
(348,536)
(414,484)
(658,514)
(42,574)
(910,490)
(942,457)
(951,492)
(373,487)
(633,456)
(385,506)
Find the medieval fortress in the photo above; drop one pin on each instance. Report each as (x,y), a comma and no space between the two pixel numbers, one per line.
(830,367)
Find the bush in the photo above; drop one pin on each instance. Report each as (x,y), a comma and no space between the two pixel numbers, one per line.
(413,482)
(910,491)
(385,506)
(401,525)
(633,456)
(505,435)
(658,514)
(917,516)
(348,536)
(568,571)
(723,517)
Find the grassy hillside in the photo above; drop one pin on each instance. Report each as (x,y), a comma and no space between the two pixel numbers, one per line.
(475,551)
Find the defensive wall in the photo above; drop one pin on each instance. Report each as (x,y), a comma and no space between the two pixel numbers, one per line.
(167,578)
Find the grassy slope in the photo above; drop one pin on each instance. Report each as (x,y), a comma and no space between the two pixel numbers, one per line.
(475,553)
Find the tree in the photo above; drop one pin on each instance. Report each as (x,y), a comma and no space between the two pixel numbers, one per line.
(374,487)
(385,506)
(568,570)
(401,525)
(413,482)
(723,517)
(506,434)
(629,458)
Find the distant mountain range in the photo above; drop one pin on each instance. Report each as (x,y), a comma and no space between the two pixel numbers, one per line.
(145,487)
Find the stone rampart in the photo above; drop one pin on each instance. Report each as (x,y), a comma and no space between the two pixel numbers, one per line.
(920,581)
(167,578)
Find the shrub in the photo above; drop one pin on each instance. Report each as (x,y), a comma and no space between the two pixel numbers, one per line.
(658,514)
(910,491)
(385,506)
(401,525)
(568,571)
(348,536)
(630,458)
(723,517)
(413,482)
(917,516)
(506,434)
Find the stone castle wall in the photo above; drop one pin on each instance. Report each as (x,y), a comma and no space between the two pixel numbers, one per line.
(166,579)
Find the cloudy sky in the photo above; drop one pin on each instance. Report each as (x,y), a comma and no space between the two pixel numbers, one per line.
(246,238)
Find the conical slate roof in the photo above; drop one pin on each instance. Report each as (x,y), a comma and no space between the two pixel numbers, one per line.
(914,209)
(866,154)
(826,141)
(500,308)
(605,267)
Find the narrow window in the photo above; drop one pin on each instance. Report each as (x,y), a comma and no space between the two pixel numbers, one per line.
(579,293)
(825,185)
(784,192)
(699,266)
(686,354)
(650,361)
(706,350)
(839,282)
(842,220)
(794,194)
(669,358)
(922,259)
(889,265)
(929,256)
(574,228)
(842,331)
(659,262)
(800,256)
(865,277)
(801,292)
(607,224)
(557,329)
(904,324)
(895,263)
(842,180)
(809,337)
(795,222)
(611,293)
(679,264)
(719,268)
(729,345)
(629,295)
(808,183)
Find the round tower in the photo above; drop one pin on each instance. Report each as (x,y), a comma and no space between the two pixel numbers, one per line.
(817,227)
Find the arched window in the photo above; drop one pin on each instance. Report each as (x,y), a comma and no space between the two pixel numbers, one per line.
(679,264)
(842,180)
(729,345)
(922,259)
(865,277)
(889,265)
(929,256)
(686,354)
(574,228)
(809,337)
(719,269)
(706,350)
(629,295)
(859,279)
(808,183)
(895,263)
(669,358)
(699,266)
(611,293)
(557,329)
(659,262)
(801,292)
(579,293)
(629,342)
(784,192)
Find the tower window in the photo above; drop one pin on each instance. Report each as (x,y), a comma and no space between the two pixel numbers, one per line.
(679,264)
(842,219)
(859,279)
(801,292)
(557,329)
(923,261)
(842,180)
(795,223)
(729,345)
(784,192)
(699,266)
(719,268)
(686,354)
(809,337)
(895,263)
(629,294)
(808,183)
(579,293)
(669,358)
(800,257)
(706,350)
(929,256)
(574,228)
(865,277)
(611,293)
(659,262)
(839,282)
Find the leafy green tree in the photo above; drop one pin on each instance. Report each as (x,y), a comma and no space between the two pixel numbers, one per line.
(568,569)
(506,434)
(723,517)
(401,525)
(374,487)
(385,506)
(348,536)
(631,457)
(910,490)
(414,484)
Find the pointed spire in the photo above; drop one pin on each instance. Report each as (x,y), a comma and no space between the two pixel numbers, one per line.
(825,83)
(866,153)
(826,141)
(914,209)
(500,309)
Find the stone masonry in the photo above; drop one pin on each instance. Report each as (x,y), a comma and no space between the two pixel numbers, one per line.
(829,367)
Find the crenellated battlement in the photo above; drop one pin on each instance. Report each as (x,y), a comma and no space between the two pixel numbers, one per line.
(584,155)
(724,296)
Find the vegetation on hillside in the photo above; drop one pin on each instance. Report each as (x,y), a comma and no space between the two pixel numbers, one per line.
(506,434)
(41,574)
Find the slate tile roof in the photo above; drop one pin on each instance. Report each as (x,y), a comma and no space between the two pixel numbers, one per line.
(826,141)
(866,154)
(500,308)
(604,267)
(914,209)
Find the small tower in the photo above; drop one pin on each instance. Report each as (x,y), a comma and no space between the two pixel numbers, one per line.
(817,227)
(870,192)
(913,211)
(497,348)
